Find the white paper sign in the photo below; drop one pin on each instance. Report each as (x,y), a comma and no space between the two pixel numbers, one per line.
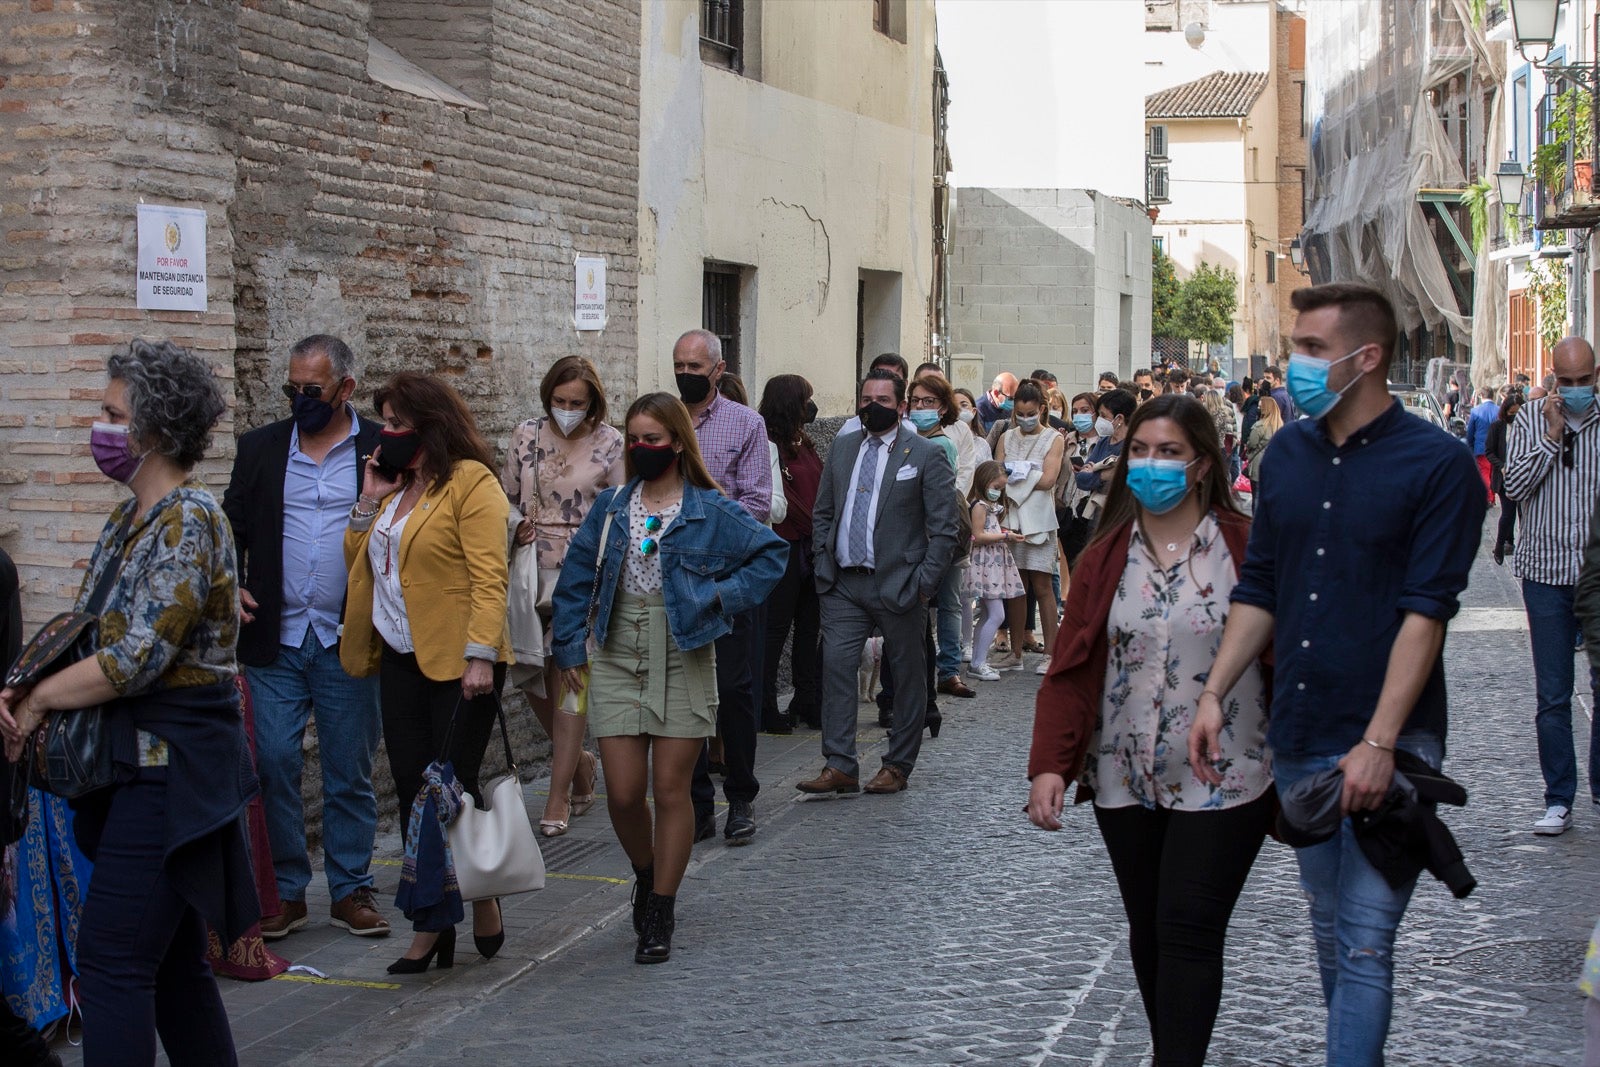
(589,304)
(172,258)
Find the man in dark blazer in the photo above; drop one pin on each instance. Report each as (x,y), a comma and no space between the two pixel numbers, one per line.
(294,483)
(885,532)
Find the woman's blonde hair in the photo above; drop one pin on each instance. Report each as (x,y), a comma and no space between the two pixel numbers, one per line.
(1267,414)
(669,411)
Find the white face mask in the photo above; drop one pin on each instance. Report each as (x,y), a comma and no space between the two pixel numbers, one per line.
(1103,427)
(965,414)
(568,420)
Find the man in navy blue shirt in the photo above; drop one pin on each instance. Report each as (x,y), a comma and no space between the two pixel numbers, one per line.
(1478,423)
(1360,546)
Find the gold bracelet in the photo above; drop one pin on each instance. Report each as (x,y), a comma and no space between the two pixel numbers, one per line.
(1374,744)
(1212,692)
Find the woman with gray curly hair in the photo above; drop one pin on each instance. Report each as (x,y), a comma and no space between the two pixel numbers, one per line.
(169,843)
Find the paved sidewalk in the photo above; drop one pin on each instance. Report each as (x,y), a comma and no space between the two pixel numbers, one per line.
(935,926)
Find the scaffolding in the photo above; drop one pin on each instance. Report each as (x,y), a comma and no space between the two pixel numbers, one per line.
(1404,98)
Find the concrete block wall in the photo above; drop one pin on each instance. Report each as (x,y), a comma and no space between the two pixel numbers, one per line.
(1036,277)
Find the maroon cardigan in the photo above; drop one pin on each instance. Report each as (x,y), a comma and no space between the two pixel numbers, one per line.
(1068,706)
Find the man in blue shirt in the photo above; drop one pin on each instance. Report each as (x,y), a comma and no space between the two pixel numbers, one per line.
(1361,543)
(1478,423)
(294,482)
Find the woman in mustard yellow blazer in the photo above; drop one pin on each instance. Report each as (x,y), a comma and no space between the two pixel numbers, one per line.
(426,605)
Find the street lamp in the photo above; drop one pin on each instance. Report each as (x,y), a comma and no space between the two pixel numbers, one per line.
(1509,178)
(1297,255)
(1534,24)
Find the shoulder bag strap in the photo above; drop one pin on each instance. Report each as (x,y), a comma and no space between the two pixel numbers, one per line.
(505,734)
(599,570)
(108,577)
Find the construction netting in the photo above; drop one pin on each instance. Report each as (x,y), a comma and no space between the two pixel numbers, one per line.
(1376,72)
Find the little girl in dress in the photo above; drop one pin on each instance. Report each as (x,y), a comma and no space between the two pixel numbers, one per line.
(992,574)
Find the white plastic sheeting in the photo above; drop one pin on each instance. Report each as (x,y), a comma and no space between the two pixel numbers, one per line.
(1376,140)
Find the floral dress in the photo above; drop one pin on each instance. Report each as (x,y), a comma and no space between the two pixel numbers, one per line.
(553,480)
(1164,629)
(992,570)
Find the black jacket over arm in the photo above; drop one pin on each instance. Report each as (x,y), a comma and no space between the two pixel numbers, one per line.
(253,503)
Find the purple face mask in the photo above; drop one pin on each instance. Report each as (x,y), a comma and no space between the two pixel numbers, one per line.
(112,454)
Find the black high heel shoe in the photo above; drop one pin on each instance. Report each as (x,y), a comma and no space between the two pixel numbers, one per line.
(933,724)
(488,946)
(444,948)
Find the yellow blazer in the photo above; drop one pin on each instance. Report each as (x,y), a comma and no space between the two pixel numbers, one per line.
(452,576)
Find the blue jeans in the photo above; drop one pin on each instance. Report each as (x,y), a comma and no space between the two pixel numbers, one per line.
(1354,916)
(1553,630)
(302,682)
(142,947)
(947,627)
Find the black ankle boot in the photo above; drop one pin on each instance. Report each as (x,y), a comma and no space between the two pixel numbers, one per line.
(644,882)
(655,943)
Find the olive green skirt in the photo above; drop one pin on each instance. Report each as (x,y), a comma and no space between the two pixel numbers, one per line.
(642,683)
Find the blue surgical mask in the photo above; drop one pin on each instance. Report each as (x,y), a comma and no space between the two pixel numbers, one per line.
(1027,423)
(1158,484)
(1577,398)
(1308,383)
(924,420)
(1006,404)
(994,495)
(1083,422)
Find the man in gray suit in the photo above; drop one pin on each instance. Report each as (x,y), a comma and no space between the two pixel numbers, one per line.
(885,533)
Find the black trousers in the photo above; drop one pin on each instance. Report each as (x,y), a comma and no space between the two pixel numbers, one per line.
(739,656)
(793,605)
(1506,534)
(20,1043)
(416,718)
(142,948)
(1180,874)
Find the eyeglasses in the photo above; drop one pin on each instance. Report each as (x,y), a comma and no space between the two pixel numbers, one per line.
(651,544)
(925,403)
(313,390)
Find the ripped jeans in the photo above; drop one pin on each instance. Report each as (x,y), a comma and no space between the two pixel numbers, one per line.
(1354,916)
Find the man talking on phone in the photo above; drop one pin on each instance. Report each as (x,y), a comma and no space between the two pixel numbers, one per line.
(1553,472)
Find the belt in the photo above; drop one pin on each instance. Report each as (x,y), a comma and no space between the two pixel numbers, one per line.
(856,570)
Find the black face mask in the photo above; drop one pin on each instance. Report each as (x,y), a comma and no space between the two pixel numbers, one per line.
(310,415)
(693,388)
(397,450)
(876,417)
(810,412)
(651,461)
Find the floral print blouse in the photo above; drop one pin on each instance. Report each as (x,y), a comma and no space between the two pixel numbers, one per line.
(1164,630)
(171,620)
(554,480)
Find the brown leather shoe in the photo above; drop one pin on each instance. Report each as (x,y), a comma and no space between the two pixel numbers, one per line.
(286,922)
(955,687)
(358,913)
(887,780)
(830,781)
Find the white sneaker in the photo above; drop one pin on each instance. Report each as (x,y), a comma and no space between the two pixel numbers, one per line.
(1043,667)
(1557,820)
(984,673)
(966,657)
(1009,662)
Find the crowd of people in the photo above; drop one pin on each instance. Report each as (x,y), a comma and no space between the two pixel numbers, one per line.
(362,572)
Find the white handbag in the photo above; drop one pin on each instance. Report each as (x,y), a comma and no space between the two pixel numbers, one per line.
(523,590)
(494,850)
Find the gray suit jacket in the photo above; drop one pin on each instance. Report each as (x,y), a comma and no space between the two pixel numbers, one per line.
(914,533)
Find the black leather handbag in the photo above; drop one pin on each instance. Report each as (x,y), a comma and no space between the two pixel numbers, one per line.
(70,754)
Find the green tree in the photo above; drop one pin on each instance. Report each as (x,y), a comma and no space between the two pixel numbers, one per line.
(1164,289)
(1206,303)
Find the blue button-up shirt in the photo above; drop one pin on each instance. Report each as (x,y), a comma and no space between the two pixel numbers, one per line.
(1346,541)
(317,498)
(1478,423)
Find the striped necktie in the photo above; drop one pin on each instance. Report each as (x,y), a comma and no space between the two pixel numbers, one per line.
(861,509)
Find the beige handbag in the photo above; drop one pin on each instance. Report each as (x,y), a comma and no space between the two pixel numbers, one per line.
(494,850)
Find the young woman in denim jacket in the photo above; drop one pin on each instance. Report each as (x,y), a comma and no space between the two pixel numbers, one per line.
(649,582)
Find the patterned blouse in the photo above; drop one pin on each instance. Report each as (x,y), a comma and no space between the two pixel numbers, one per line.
(1164,630)
(641,574)
(171,620)
(553,480)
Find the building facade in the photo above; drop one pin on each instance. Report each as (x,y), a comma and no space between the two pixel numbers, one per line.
(787,186)
(416,178)
(1057,279)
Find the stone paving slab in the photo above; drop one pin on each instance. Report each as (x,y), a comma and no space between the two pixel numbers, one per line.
(936,926)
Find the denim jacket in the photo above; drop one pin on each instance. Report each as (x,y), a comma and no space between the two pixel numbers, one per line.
(716,561)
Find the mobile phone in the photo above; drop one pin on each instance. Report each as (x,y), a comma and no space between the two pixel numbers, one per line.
(388,473)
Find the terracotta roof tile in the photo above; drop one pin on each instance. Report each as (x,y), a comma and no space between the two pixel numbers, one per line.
(1216,96)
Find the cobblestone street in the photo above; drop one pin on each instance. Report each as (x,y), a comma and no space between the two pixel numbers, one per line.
(936,926)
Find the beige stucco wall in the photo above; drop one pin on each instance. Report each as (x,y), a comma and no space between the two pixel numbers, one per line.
(820,167)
